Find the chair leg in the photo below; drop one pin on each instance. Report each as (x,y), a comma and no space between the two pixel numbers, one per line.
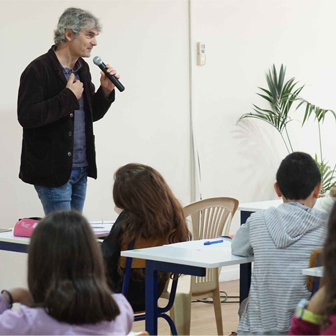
(181,313)
(218,311)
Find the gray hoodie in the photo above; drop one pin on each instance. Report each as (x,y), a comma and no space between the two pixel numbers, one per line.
(281,240)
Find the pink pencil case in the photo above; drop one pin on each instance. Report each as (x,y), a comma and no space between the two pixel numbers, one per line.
(25,226)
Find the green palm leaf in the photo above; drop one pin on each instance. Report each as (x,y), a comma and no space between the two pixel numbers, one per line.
(328,178)
(311,109)
(280,95)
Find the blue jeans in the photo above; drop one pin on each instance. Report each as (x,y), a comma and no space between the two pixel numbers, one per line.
(69,196)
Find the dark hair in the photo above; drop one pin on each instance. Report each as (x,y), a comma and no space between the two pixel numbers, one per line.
(329,257)
(297,176)
(66,271)
(153,211)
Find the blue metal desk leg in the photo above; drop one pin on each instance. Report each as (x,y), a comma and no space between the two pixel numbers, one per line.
(151,287)
(245,281)
(151,298)
(245,269)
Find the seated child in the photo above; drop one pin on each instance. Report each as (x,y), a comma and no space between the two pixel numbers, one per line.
(68,293)
(319,315)
(281,240)
(152,216)
(327,202)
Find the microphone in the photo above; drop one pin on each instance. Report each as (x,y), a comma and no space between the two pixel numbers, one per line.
(98,61)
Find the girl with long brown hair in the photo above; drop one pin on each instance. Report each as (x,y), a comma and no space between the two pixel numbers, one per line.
(151,216)
(68,293)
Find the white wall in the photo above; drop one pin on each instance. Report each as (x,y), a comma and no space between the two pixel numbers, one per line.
(147,42)
(244,38)
(149,122)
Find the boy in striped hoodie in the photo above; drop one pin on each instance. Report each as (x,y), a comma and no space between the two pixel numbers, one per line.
(281,240)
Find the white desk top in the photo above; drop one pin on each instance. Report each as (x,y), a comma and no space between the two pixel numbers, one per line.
(192,253)
(9,238)
(100,230)
(314,271)
(262,205)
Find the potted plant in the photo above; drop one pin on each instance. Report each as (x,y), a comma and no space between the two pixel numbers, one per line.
(281,95)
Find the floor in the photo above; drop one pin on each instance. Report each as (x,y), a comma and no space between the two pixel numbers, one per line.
(203,317)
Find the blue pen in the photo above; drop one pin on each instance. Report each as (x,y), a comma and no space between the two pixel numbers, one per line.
(209,242)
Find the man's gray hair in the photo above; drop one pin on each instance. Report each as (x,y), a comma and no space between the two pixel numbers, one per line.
(75,19)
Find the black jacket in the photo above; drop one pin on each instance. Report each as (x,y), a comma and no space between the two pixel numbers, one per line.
(46,113)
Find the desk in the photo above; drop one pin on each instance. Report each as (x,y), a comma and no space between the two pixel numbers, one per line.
(246,209)
(183,258)
(313,271)
(15,244)
(8,242)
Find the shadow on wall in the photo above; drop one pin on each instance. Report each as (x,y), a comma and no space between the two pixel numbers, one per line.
(261,155)
(10,146)
(17,198)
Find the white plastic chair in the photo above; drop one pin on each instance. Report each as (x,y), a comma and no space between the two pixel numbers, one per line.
(210,218)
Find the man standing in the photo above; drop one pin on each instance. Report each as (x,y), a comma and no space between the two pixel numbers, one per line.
(57,105)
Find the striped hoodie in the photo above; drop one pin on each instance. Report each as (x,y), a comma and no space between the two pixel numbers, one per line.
(281,240)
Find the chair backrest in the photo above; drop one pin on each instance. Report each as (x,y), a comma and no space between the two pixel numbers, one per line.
(315,260)
(128,263)
(210,218)
(140,243)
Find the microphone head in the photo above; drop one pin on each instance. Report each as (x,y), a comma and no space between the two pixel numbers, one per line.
(97,60)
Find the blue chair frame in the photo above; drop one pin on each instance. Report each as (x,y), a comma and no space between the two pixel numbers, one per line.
(162,311)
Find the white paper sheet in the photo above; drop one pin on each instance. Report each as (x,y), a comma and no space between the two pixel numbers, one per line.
(101,226)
